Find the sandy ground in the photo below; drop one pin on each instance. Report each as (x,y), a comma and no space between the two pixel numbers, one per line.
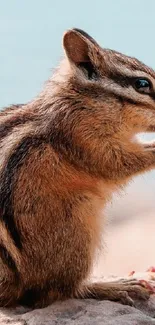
(130,236)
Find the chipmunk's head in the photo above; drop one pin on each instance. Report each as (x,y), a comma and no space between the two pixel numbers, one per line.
(118,91)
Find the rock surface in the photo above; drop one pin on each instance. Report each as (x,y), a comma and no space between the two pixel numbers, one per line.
(84,312)
(78,312)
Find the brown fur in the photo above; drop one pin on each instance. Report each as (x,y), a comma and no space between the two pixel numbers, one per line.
(62,156)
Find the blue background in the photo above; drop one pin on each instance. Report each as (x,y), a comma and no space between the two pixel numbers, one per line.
(31,37)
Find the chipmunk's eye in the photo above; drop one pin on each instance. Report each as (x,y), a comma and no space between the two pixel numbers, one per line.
(143,85)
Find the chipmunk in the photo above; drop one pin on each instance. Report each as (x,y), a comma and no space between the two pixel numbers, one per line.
(62,156)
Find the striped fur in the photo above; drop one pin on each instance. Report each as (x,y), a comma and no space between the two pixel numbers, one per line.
(61,157)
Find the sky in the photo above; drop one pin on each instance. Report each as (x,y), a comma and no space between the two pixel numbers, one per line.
(31,37)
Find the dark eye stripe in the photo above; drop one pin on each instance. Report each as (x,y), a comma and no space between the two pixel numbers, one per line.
(152,95)
(143,84)
(122,80)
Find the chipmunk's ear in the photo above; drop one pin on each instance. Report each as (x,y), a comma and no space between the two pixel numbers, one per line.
(77,45)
